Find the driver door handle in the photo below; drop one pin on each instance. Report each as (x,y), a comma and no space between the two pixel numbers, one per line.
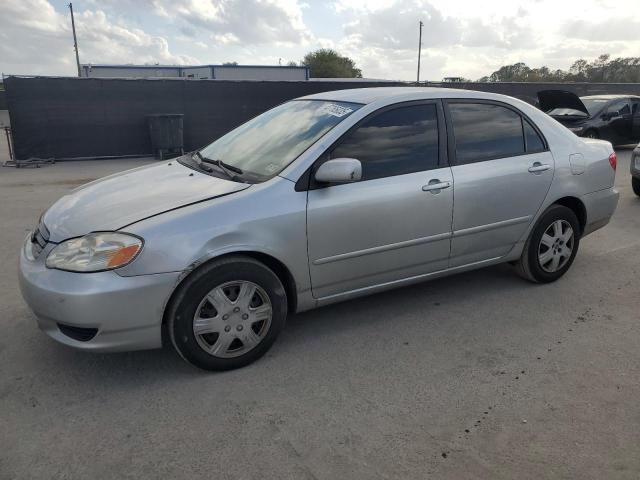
(435,186)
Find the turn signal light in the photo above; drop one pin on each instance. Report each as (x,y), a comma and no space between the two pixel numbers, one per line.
(123,256)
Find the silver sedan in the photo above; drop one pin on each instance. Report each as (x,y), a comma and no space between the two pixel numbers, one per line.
(321,199)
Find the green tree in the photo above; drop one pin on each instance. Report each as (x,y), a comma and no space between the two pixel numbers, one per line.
(327,63)
(230,64)
(602,69)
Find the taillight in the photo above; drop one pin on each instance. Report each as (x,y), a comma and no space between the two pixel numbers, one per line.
(613,160)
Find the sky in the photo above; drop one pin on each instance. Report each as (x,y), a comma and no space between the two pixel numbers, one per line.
(468,38)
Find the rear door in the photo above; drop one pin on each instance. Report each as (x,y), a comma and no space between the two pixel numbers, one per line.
(502,171)
(394,223)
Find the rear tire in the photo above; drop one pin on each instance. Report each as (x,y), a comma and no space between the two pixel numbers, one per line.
(551,246)
(227,314)
(635,184)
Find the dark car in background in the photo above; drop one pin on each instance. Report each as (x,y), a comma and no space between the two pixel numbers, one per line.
(615,118)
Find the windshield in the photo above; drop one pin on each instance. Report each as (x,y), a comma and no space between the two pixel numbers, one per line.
(266,144)
(594,104)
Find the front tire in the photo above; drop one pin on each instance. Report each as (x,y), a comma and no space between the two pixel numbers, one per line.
(227,314)
(635,184)
(551,246)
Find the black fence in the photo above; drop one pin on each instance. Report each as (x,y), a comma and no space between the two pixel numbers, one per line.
(86,117)
(66,118)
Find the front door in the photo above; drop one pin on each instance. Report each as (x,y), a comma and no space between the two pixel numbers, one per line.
(392,224)
(502,171)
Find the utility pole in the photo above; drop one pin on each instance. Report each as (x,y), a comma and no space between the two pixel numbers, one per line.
(419,51)
(75,39)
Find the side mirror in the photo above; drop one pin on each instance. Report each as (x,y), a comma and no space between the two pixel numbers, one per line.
(339,170)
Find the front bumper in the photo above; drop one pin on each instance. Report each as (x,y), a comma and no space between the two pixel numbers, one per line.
(126,311)
(600,207)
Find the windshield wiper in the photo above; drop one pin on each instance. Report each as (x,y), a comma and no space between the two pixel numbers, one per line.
(200,161)
(225,167)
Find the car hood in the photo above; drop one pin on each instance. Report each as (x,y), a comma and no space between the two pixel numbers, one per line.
(550,99)
(116,201)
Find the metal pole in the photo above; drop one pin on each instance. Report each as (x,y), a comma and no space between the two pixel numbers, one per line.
(7,132)
(419,51)
(75,39)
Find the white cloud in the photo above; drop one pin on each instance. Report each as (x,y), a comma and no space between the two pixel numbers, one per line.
(35,39)
(252,22)
(472,39)
(460,38)
(603,30)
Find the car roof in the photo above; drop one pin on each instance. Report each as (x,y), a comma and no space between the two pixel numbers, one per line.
(608,97)
(389,94)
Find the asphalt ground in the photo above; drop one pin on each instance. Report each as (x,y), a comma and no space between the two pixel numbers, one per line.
(476,376)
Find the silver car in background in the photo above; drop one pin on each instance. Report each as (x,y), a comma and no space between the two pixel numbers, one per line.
(321,199)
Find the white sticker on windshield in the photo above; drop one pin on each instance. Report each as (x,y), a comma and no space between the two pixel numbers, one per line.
(335,110)
(272,167)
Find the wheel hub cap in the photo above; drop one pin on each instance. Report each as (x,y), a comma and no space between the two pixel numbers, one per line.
(232,319)
(556,246)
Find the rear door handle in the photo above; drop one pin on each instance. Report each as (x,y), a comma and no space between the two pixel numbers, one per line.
(538,167)
(435,186)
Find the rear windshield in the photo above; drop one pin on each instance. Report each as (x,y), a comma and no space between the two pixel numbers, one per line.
(266,144)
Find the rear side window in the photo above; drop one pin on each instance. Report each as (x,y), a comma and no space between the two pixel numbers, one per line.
(394,142)
(534,143)
(485,131)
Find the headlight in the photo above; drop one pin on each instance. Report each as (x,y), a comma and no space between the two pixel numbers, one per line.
(95,252)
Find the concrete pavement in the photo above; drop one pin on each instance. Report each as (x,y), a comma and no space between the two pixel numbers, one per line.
(477,376)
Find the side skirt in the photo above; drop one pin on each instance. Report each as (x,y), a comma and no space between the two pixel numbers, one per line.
(360,292)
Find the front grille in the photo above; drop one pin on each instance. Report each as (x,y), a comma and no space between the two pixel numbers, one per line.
(78,333)
(39,239)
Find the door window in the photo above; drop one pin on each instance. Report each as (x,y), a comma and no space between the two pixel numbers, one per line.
(618,108)
(394,142)
(485,131)
(533,141)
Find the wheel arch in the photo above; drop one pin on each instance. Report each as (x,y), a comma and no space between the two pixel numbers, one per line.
(278,267)
(575,205)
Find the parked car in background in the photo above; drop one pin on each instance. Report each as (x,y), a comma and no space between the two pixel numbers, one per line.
(615,118)
(635,170)
(321,199)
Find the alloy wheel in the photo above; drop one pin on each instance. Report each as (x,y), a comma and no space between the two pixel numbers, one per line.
(556,246)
